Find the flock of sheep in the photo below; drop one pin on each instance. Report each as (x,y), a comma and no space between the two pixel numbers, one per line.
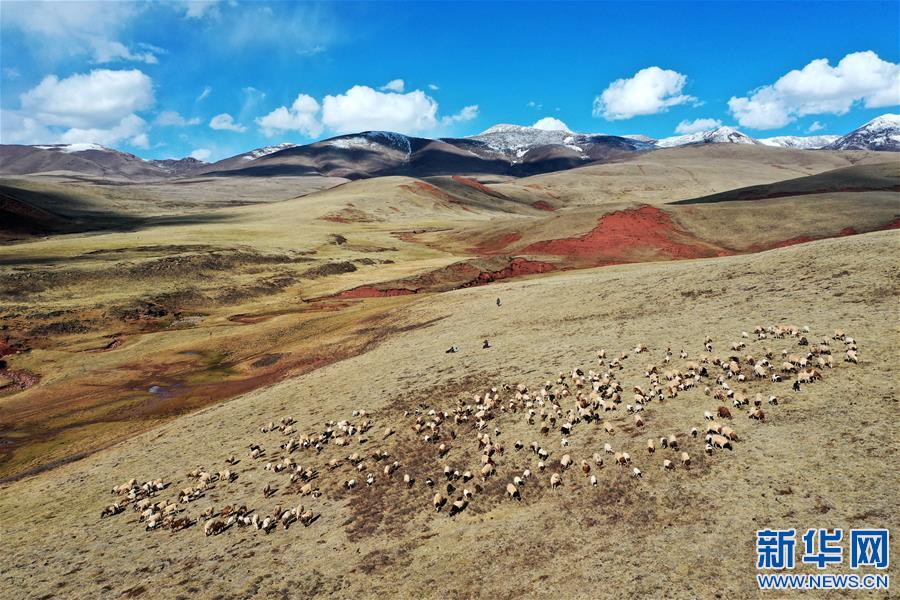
(353,453)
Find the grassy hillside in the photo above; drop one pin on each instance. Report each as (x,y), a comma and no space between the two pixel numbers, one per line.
(822,453)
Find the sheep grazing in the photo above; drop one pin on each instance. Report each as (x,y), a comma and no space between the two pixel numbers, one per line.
(608,427)
(708,415)
(213,527)
(709,449)
(757,414)
(566,461)
(635,472)
(651,448)
(112,509)
(607,448)
(513,492)
(407,480)
(673,441)
(593,480)
(694,432)
(685,459)
(638,421)
(486,471)
(458,506)
(720,441)
(585,467)
(555,481)
(668,465)
(438,502)
(852,357)
(723,412)
(598,460)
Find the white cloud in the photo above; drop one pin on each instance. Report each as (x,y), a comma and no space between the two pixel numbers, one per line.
(197,9)
(171,118)
(433,87)
(815,126)
(466,114)
(61,29)
(302,116)
(535,105)
(226,122)
(108,51)
(551,124)
(819,88)
(11,73)
(686,127)
(140,141)
(97,99)
(130,128)
(204,94)
(361,109)
(394,85)
(17,128)
(201,154)
(650,91)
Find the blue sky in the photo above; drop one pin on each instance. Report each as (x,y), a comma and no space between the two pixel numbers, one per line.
(168,79)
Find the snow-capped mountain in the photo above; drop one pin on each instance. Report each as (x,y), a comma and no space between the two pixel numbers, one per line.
(266,150)
(801,142)
(70,148)
(516,141)
(720,135)
(881,133)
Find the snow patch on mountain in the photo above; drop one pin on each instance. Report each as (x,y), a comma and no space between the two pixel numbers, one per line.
(266,150)
(881,133)
(801,142)
(719,135)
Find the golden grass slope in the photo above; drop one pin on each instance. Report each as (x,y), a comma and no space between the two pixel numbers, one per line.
(824,457)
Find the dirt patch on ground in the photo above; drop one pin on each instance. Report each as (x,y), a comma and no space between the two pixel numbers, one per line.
(478,186)
(496,245)
(541,205)
(456,276)
(627,236)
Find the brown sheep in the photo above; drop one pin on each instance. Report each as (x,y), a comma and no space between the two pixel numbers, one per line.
(724,413)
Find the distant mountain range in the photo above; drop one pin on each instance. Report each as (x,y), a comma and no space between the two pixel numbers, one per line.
(502,149)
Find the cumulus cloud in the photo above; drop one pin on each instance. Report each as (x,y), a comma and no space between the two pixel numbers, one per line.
(130,129)
(394,85)
(96,99)
(696,125)
(551,124)
(361,108)
(201,154)
(466,114)
(302,116)
(649,91)
(815,126)
(820,88)
(171,118)
(225,121)
(95,107)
